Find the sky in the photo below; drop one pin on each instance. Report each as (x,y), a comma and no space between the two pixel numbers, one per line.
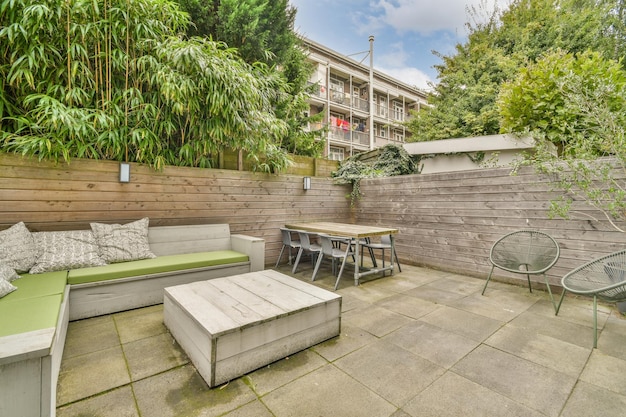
(405,31)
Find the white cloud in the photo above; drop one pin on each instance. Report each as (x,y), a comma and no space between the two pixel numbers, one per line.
(409,75)
(425,16)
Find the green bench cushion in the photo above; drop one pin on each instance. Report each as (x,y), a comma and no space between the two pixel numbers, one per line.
(27,315)
(38,285)
(157,265)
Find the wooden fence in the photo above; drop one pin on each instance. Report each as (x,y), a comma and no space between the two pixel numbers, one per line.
(48,196)
(447,221)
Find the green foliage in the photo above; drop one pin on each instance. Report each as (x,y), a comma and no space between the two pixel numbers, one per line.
(578,102)
(500,42)
(391,160)
(262,31)
(112,79)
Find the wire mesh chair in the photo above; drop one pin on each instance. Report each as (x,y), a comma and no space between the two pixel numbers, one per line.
(603,278)
(288,242)
(528,252)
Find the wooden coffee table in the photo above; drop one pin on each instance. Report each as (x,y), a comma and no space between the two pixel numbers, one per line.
(233,325)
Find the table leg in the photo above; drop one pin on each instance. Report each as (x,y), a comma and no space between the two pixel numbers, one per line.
(393,251)
(356,262)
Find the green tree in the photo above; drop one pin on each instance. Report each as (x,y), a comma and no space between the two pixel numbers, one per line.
(501,42)
(262,31)
(578,102)
(111,79)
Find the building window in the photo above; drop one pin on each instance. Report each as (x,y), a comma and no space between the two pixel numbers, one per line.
(336,90)
(335,153)
(398,111)
(398,136)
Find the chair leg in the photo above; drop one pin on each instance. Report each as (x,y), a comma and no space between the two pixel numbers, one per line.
(295,264)
(317,266)
(340,272)
(556,310)
(488,278)
(560,301)
(280,255)
(397,261)
(595,321)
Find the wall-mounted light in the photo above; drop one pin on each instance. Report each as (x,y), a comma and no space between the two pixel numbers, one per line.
(307,183)
(124,172)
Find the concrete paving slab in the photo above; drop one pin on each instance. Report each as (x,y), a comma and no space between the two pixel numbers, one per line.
(525,382)
(140,323)
(88,336)
(351,303)
(433,343)
(606,371)
(408,306)
(532,347)
(253,409)
(578,314)
(326,392)
(458,285)
(395,374)
(470,325)
(286,370)
(452,395)
(589,400)
(612,339)
(117,403)
(398,283)
(378,321)
(153,355)
(183,392)
(540,349)
(487,307)
(557,328)
(435,295)
(518,300)
(369,293)
(350,339)
(90,374)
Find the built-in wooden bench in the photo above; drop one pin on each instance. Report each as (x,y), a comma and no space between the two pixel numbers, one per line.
(35,317)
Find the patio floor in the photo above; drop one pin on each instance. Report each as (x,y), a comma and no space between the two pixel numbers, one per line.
(419,343)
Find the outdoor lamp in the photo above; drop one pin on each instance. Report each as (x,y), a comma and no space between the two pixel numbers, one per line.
(124,172)
(307,183)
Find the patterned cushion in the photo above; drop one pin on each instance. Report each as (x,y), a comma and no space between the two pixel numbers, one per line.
(6,288)
(121,243)
(61,251)
(17,247)
(7,273)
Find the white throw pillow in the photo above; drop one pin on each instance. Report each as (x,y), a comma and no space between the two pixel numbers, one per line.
(7,273)
(17,247)
(122,243)
(62,251)
(6,288)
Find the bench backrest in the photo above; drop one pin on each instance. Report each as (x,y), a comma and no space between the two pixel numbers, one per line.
(175,240)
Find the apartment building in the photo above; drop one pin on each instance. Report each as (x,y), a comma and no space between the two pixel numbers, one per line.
(363,108)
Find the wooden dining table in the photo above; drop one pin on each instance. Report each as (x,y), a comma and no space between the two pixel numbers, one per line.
(352,231)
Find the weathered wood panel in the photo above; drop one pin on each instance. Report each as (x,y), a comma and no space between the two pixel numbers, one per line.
(48,196)
(450,220)
(446,220)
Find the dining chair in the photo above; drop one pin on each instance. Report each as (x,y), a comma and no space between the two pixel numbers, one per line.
(329,250)
(385,244)
(305,245)
(288,242)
